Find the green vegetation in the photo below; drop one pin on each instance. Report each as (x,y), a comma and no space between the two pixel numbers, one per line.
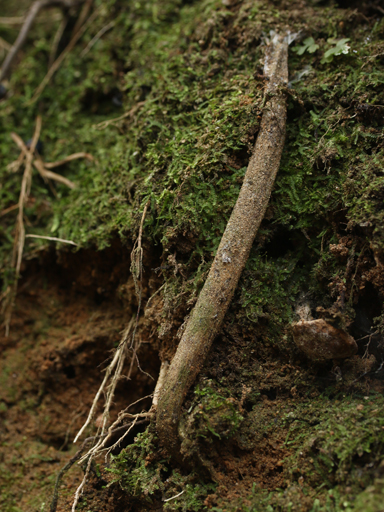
(337,449)
(145,477)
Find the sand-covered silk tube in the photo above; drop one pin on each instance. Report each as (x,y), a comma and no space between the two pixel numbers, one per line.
(212,304)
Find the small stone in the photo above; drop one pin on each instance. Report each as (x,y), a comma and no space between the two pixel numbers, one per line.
(321,341)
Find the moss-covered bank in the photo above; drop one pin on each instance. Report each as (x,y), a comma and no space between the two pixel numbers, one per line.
(182,82)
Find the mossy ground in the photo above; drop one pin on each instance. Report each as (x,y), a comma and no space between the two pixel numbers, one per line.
(184,79)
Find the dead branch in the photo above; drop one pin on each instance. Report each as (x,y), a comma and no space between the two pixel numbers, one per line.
(27,24)
(208,314)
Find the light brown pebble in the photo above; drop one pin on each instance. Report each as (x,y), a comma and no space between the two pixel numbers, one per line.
(321,341)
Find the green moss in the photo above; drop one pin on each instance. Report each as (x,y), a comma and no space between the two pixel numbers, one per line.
(214,414)
(337,448)
(148,478)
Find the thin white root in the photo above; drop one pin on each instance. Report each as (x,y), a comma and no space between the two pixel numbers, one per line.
(52,239)
(81,486)
(160,381)
(119,354)
(173,497)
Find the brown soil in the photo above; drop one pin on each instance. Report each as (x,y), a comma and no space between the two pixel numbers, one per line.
(65,326)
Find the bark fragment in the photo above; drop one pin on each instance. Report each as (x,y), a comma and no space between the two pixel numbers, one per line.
(232,254)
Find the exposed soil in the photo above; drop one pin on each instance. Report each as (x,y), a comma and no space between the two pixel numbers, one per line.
(66,323)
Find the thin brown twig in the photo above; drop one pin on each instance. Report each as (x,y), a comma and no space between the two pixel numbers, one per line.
(27,24)
(12,20)
(43,167)
(130,113)
(19,20)
(24,194)
(83,16)
(94,40)
(9,209)
(55,66)
(15,165)
(56,40)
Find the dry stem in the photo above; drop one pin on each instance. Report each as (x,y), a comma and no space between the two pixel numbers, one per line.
(208,314)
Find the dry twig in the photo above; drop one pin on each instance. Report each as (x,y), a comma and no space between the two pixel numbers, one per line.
(19,240)
(27,155)
(57,39)
(74,156)
(55,66)
(94,40)
(27,24)
(83,16)
(39,164)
